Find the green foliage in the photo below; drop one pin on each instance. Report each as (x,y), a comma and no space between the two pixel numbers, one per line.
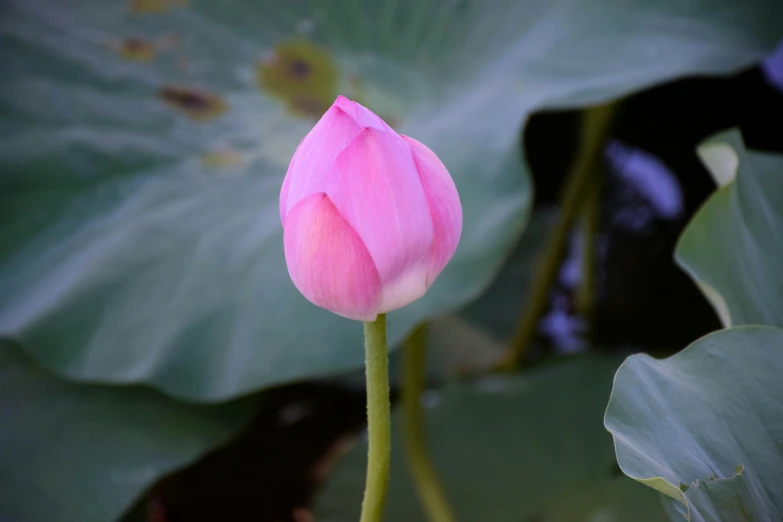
(145,143)
(704,426)
(510,449)
(733,247)
(83,453)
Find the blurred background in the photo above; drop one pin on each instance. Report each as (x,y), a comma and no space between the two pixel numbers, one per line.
(157,364)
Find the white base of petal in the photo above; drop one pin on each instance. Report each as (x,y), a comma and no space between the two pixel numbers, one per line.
(410,286)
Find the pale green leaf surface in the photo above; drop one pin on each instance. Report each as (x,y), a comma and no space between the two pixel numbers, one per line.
(83,453)
(733,246)
(510,449)
(140,241)
(705,426)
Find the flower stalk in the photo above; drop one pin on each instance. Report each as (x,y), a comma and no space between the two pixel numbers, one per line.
(596,122)
(428,487)
(378,420)
(591,221)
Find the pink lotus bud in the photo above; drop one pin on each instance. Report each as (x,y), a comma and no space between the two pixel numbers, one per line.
(370,217)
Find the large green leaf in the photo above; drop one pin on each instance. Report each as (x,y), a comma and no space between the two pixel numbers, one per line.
(83,453)
(498,310)
(144,143)
(474,339)
(510,449)
(705,426)
(733,247)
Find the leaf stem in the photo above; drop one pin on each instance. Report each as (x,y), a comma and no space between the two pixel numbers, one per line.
(428,488)
(378,419)
(594,128)
(591,220)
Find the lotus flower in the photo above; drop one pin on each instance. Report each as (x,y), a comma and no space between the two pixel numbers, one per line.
(370,217)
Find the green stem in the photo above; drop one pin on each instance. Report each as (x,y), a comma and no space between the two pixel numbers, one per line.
(413,374)
(594,127)
(378,419)
(591,215)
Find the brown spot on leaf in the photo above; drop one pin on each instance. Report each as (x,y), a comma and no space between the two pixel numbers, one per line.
(301,74)
(198,105)
(155,6)
(300,69)
(308,106)
(137,48)
(222,158)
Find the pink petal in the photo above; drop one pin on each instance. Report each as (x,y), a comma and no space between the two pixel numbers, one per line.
(444,204)
(284,194)
(377,188)
(363,116)
(328,262)
(312,158)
